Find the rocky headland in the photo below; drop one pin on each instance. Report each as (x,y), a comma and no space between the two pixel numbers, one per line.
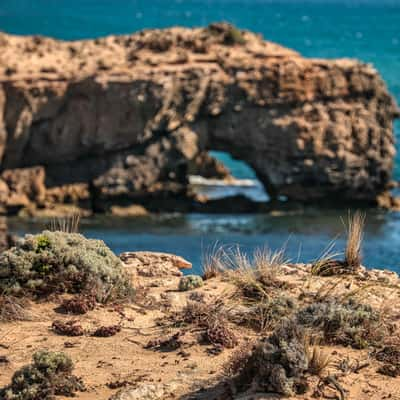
(124,120)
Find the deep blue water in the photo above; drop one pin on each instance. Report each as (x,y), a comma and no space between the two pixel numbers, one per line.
(304,236)
(368,30)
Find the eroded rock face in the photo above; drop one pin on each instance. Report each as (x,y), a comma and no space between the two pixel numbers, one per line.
(128,117)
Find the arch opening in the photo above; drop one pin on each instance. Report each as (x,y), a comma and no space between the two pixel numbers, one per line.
(241,180)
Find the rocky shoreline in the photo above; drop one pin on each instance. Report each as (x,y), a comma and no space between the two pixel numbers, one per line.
(124,120)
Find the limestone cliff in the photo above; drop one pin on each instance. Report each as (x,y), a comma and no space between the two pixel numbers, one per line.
(124,119)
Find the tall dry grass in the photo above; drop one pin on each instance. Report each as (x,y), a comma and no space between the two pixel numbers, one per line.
(355,232)
(318,359)
(267,263)
(215,261)
(254,277)
(68,224)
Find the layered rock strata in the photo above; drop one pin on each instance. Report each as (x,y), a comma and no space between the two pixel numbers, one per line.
(125,119)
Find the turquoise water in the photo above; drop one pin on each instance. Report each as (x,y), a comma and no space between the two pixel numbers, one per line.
(304,236)
(367,30)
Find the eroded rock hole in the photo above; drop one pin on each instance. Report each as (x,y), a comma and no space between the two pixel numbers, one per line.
(222,176)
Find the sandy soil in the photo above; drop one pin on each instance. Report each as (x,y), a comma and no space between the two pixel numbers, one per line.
(191,371)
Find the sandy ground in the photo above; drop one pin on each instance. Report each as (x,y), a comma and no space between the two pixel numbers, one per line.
(189,372)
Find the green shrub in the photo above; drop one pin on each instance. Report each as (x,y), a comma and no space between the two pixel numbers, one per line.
(226,33)
(277,363)
(265,314)
(190,282)
(58,262)
(350,323)
(49,375)
(234,36)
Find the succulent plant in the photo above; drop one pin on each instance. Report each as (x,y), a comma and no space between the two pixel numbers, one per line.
(190,282)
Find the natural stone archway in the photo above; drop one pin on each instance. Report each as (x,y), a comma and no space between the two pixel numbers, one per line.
(125,118)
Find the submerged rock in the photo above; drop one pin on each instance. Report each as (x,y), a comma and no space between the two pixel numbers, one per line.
(124,119)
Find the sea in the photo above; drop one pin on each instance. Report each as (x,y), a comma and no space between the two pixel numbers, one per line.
(368,30)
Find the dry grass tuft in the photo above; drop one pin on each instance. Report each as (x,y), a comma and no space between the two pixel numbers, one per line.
(214,261)
(256,279)
(355,231)
(246,277)
(318,359)
(267,263)
(69,224)
(326,264)
(263,315)
(13,309)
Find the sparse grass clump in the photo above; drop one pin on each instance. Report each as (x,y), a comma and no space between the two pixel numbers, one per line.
(318,360)
(328,265)
(256,279)
(348,323)
(49,375)
(214,262)
(355,231)
(266,313)
(277,364)
(69,224)
(267,263)
(58,262)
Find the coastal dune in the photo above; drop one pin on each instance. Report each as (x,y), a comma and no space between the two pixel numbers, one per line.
(125,120)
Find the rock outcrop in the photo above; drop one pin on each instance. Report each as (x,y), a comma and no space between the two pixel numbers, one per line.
(125,119)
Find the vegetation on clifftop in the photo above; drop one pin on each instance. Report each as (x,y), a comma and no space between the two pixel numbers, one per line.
(60,262)
(49,375)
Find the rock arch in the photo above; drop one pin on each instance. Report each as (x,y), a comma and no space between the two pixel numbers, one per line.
(128,116)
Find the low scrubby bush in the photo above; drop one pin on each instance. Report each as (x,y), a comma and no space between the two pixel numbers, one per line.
(49,375)
(265,314)
(348,323)
(59,262)
(13,309)
(276,364)
(190,282)
(67,328)
(79,304)
(210,321)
